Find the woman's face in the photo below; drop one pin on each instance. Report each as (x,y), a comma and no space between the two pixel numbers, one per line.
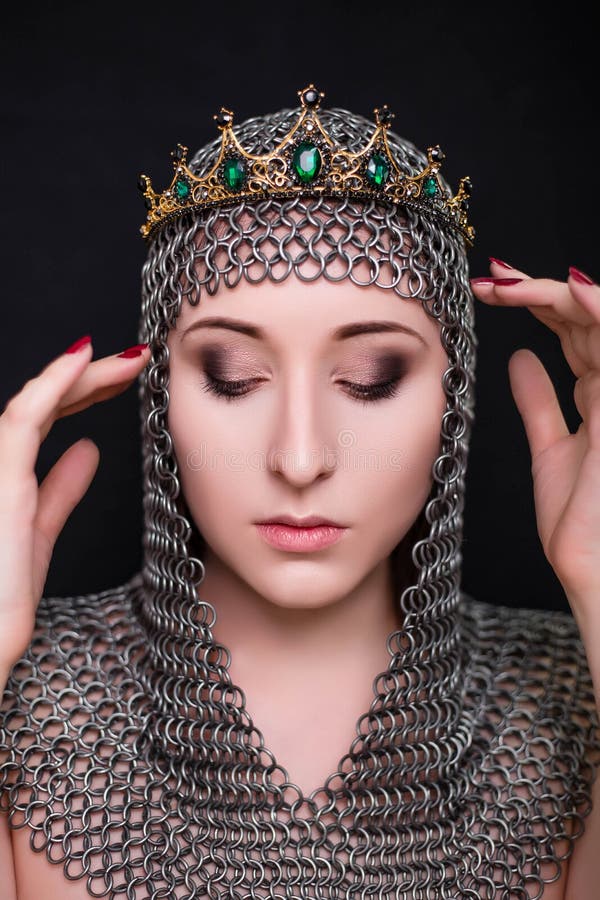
(301,399)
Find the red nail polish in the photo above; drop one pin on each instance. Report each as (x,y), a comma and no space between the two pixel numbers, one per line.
(500,262)
(506,281)
(79,345)
(136,350)
(579,276)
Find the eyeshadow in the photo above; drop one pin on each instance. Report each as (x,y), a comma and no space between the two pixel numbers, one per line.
(391,366)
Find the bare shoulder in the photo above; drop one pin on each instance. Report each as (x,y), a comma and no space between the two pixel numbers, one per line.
(584,868)
(7,863)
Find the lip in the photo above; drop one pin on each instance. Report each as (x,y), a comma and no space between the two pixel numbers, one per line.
(314,533)
(299,521)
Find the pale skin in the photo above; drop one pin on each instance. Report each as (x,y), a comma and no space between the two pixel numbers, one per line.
(284,614)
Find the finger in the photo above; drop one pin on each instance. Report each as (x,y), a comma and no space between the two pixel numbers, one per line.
(26,413)
(528,292)
(96,397)
(536,401)
(552,297)
(574,346)
(501,269)
(61,491)
(492,294)
(104,378)
(586,295)
(587,401)
(581,347)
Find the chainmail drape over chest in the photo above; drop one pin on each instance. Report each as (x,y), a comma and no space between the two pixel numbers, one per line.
(129,754)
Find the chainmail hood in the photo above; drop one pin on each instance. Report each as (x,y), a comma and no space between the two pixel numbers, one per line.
(128,752)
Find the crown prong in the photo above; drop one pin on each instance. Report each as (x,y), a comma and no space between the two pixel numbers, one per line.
(435,155)
(310,97)
(224,118)
(179,155)
(384,116)
(465,186)
(461,198)
(150,196)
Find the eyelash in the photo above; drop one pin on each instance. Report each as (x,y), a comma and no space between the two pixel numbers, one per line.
(233,390)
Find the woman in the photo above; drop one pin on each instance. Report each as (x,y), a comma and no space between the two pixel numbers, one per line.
(312,707)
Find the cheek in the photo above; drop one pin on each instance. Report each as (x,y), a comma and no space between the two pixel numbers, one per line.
(422,432)
(408,432)
(217,461)
(397,491)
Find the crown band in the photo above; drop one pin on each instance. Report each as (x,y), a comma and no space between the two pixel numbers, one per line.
(307,162)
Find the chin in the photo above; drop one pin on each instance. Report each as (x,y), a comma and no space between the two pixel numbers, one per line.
(307,589)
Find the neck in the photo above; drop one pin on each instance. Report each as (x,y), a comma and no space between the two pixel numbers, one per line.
(348,634)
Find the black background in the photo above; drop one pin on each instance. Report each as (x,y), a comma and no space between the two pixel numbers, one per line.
(94,95)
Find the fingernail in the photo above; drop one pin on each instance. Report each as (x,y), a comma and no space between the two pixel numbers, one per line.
(80,344)
(136,350)
(579,276)
(500,281)
(500,262)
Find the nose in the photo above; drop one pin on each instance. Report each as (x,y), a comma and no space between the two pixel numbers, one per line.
(301,450)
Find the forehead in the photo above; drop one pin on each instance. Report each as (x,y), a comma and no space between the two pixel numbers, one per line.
(294,311)
(291,256)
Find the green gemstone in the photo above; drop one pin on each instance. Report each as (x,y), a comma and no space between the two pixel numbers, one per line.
(378,169)
(430,187)
(307,161)
(182,189)
(234,173)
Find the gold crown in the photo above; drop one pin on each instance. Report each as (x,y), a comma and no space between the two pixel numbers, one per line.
(308,162)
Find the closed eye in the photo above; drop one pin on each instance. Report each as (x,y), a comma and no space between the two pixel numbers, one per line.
(367,393)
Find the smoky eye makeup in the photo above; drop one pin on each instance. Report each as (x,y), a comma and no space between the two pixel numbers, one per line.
(367,377)
(224,377)
(378,379)
(228,363)
(379,367)
(214,360)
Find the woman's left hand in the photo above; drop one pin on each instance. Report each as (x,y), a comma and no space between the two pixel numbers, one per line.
(566,473)
(565,466)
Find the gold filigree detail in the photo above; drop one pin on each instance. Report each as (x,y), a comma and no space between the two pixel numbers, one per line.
(341,173)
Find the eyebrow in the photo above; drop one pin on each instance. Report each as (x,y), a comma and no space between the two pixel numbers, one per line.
(352,329)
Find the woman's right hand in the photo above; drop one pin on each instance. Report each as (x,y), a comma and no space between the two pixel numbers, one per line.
(31,515)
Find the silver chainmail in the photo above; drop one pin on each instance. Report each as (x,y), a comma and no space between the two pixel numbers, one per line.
(127,752)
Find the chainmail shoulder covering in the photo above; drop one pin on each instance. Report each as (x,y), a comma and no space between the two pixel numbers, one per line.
(77,771)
